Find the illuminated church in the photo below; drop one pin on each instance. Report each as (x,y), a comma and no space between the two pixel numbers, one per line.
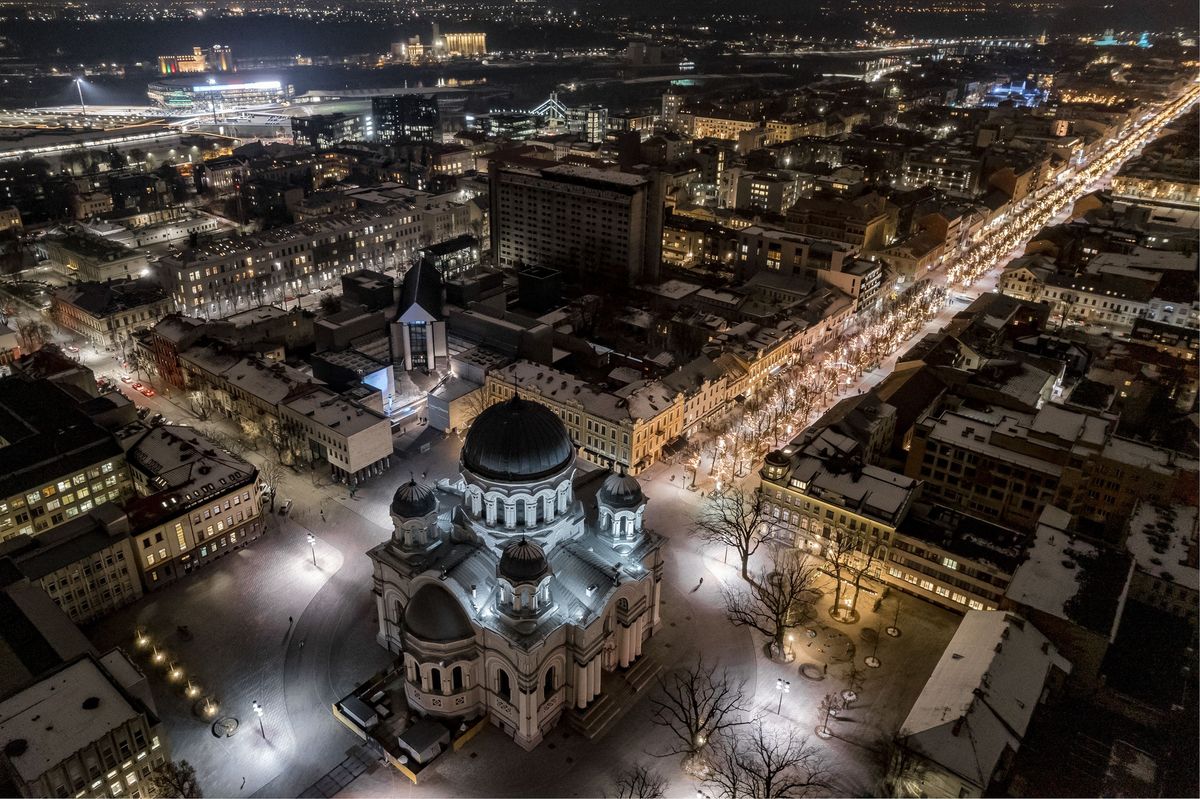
(516,603)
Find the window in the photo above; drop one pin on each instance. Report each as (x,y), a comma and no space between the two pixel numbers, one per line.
(927,585)
(504,688)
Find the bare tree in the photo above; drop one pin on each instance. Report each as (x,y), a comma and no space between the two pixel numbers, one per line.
(697,704)
(639,782)
(767,764)
(903,772)
(32,334)
(831,705)
(851,555)
(173,779)
(776,600)
(736,518)
(271,474)
(199,404)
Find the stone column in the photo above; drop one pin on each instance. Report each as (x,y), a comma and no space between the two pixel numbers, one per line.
(582,683)
(594,674)
(656,602)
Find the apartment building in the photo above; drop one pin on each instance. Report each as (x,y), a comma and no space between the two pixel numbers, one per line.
(58,462)
(86,728)
(107,313)
(231,275)
(721,127)
(627,428)
(85,565)
(585,222)
(196,502)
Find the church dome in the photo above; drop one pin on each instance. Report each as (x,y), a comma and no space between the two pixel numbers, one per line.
(434,615)
(413,500)
(517,441)
(523,561)
(621,491)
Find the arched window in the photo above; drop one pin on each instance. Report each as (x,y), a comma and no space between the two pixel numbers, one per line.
(456,679)
(548,688)
(504,689)
(435,680)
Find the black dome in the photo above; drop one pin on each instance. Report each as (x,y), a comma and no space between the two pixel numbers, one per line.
(433,614)
(523,561)
(517,441)
(413,500)
(621,491)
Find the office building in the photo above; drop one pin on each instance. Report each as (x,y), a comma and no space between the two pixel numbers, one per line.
(85,565)
(58,462)
(325,130)
(405,117)
(86,728)
(585,222)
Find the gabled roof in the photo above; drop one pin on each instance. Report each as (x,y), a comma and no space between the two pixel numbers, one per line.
(422,288)
(981,695)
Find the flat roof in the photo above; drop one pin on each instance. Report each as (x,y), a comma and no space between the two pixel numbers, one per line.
(59,715)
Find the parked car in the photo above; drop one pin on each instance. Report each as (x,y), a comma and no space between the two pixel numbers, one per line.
(285,507)
(72,348)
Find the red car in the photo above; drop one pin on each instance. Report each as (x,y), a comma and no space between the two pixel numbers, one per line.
(146,391)
(137,386)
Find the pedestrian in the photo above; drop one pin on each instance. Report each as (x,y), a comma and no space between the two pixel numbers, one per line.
(243,784)
(291,621)
(302,640)
(824,670)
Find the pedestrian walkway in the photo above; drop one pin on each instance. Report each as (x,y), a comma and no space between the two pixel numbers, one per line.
(358,761)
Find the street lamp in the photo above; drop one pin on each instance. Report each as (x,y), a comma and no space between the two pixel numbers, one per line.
(258,709)
(79,88)
(312,543)
(782,686)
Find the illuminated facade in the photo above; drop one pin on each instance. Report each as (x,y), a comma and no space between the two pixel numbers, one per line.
(464,44)
(218,58)
(217,94)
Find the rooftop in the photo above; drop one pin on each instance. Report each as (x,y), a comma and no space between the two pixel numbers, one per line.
(58,715)
(982,694)
(1070,579)
(1163,542)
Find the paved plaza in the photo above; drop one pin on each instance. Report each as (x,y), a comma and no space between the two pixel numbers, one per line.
(242,649)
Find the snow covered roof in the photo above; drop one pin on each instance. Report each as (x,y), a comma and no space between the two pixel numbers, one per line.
(1070,579)
(1164,543)
(981,695)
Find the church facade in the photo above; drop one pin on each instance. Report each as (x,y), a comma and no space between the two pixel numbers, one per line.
(517,604)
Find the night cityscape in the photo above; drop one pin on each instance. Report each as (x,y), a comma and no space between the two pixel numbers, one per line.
(490,398)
